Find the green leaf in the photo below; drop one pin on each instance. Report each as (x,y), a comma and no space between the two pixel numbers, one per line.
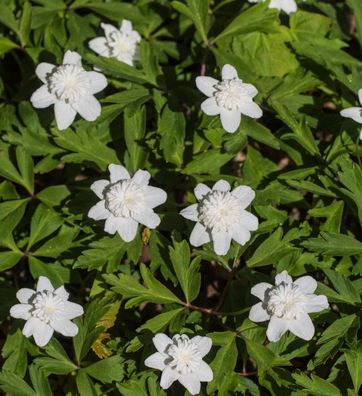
(9,259)
(354,364)
(15,385)
(25,23)
(6,45)
(343,286)
(53,366)
(315,385)
(85,384)
(208,162)
(107,370)
(159,322)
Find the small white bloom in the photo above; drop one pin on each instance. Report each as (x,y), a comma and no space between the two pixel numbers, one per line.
(288,6)
(230,98)
(180,359)
(354,112)
(221,216)
(70,89)
(121,44)
(46,310)
(126,201)
(287,305)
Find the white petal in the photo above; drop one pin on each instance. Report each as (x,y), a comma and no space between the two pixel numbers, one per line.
(307,284)
(21,311)
(190,212)
(229,72)
(248,221)
(154,196)
(111,224)
(99,46)
(99,211)
(88,107)
(141,177)
(72,57)
(62,293)
(127,229)
(64,114)
(65,327)
(353,112)
(42,334)
(230,119)
(221,242)
(44,284)
(24,295)
(302,327)
(360,95)
(210,107)
(168,377)
(221,185)
(108,29)
(276,328)
(204,372)
(126,26)
(206,85)
(287,6)
(251,109)
(30,326)
(283,277)
(199,236)
(258,314)
(118,172)
(240,233)
(250,89)
(43,69)
(156,361)
(42,98)
(245,194)
(72,310)
(97,81)
(98,187)
(204,344)
(360,135)
(259,290)
(148,218)
(316,303)
(161,342)
(201,190)
(191,382)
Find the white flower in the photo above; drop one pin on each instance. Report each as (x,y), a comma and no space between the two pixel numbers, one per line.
(70,89)
(354,112)
(230,98)
(46,310)
(121,44)
(221,216)
(126,201)
(288,6)
(287,305)
(180,359)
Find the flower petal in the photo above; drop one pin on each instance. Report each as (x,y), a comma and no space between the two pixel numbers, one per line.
(98,187)
(161,342)
(21,311)
(168,377)
(245,194)
(204,344)
(360,95)
(99,45)
(190,212)
(199,236)
(99,211)
(221,185)
(307,284)
(43,69)
(118,172)
(126,26)
(221,241)
(353,112)
(248,221)
(258,314)
(191,382)
(154,196)
(111,225)
(210,107)
(148,218)
(108,29)
(42,334)
(127,229)
(42,98)
(229,72)
(30,326)
(240,233)
(302,327)
(251,109)
(141,177)
(156,361)
(64,114)
(250,89)
(62,293)
(206,85)
(201,190)
(276,328)
(97,81)
(72,57)
(65,327)
(72,310)
(316,303)
(259,290)
(44,284)
(204,372)
(283,277)
(288,6)
(24,295)
(88,107)
(230,119)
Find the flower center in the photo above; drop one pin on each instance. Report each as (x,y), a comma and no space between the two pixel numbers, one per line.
(120,44)
(230,94)
(68,83)
(46,306)
(124,198)
(218,210)
(285,301)
(184,355)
